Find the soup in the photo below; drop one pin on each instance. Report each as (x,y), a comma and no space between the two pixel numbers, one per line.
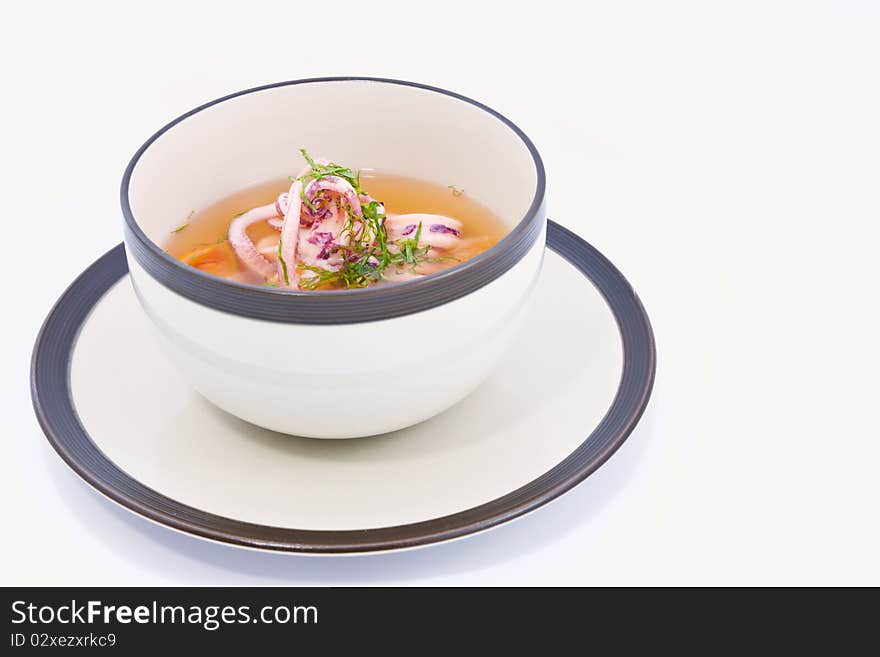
(334,228)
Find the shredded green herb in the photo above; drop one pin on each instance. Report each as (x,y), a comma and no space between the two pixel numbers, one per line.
(410,250)
(319,171)
(185,223)
(455,190)
(367,255)
(283,265)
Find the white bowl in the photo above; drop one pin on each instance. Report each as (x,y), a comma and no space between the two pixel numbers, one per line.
(347,363)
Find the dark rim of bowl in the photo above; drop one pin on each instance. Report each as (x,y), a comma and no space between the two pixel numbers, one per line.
(337,306)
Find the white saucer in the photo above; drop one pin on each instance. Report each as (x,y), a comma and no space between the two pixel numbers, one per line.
(566,397)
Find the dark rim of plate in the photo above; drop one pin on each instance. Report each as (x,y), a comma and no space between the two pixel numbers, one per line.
(336,306)
(52,398)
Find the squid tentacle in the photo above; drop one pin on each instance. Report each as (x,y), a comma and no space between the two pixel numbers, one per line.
(286,265)
(244,246)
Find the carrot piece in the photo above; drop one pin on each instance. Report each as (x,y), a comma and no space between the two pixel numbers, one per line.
(218,259)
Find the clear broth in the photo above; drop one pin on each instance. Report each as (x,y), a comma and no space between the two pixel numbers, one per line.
(481,228)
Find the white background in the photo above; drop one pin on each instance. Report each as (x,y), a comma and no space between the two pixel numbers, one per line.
(726,156)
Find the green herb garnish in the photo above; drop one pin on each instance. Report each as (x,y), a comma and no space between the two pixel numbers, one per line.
(283,265)
(319,171)
(455,190)
(185,223)
(367,255)
(410,250)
